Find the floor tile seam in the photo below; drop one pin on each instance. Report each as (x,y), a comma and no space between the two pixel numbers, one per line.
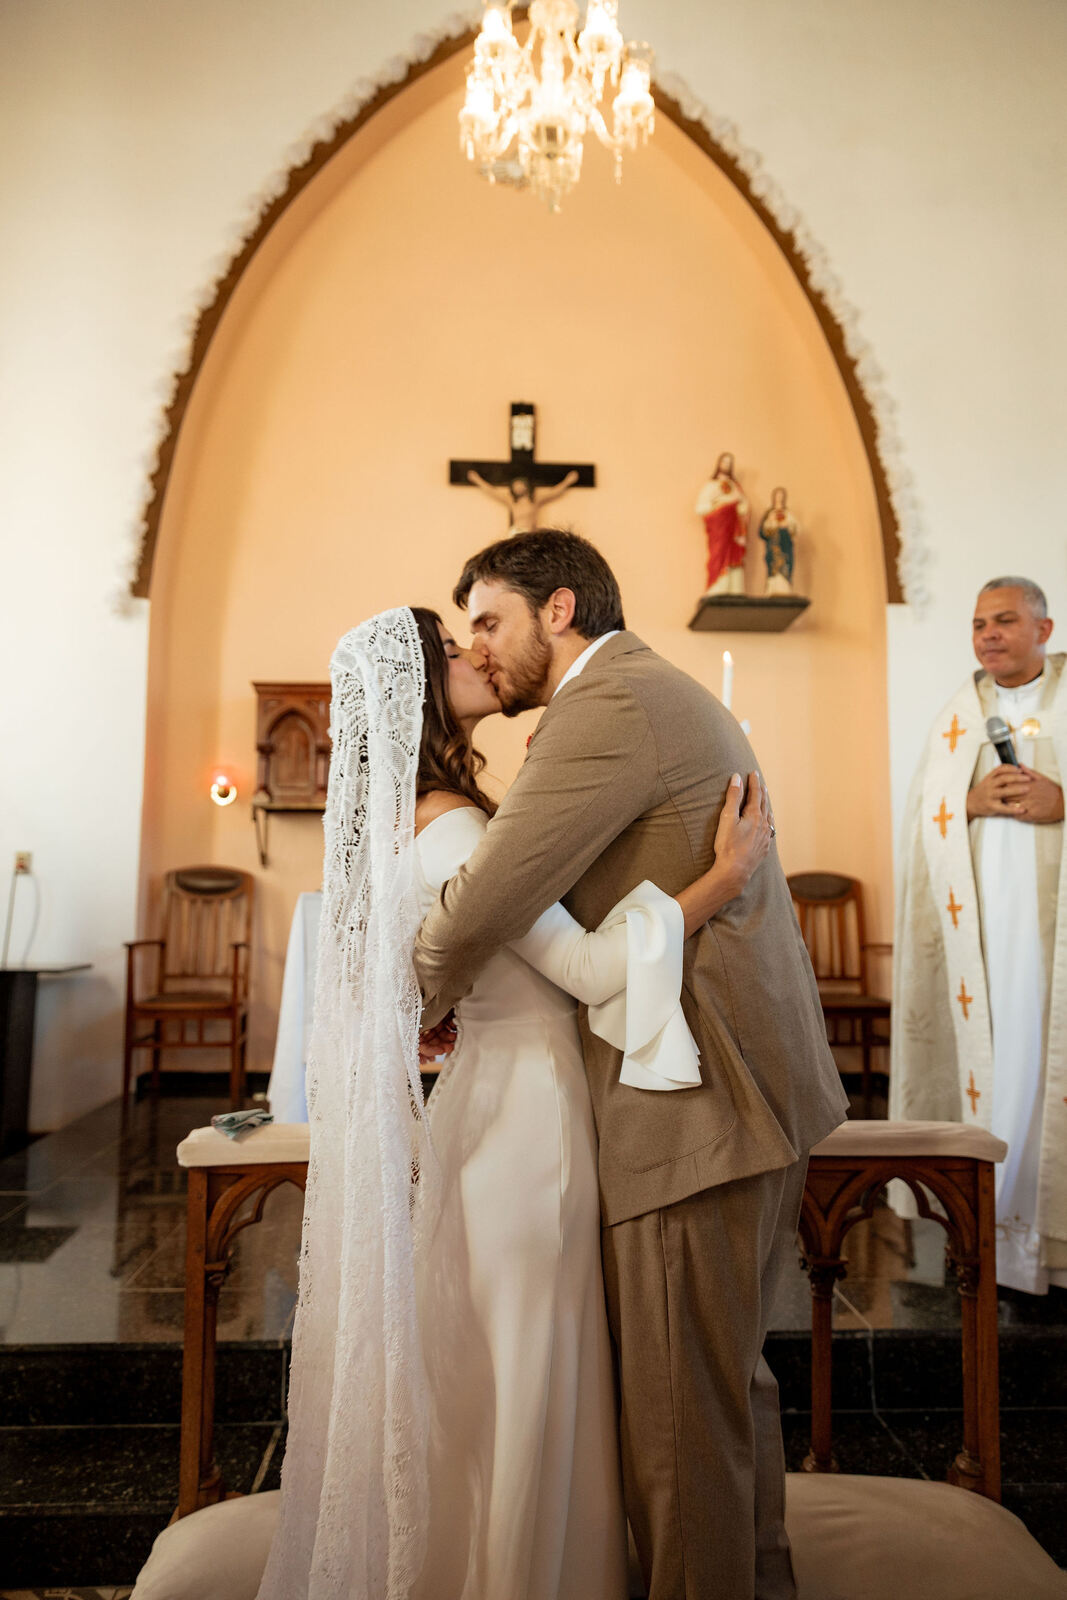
(865,1326)
(902,1447)
(103,1428)
(89,1508)
(130,1281)
(838,1411)
(931,1410)
(267,1458)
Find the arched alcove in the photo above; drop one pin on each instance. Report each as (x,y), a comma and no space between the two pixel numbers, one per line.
(382,326)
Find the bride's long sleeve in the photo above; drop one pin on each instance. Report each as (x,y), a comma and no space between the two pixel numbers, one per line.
(590,966)
(629,973)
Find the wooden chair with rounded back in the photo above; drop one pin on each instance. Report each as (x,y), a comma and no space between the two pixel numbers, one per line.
(829,908)
(197,983)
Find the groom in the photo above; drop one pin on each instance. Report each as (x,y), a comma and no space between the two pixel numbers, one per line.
(700,1189)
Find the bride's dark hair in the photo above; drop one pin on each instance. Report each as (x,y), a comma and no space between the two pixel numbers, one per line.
(447,759)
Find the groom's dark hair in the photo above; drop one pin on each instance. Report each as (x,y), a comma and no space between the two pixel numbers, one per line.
(536,564)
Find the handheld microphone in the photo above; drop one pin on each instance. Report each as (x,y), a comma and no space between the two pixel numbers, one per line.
(1000,736)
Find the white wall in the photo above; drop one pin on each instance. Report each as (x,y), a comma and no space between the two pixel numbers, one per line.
(924,143)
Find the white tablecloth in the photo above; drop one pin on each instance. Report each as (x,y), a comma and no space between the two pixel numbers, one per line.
(286,1088)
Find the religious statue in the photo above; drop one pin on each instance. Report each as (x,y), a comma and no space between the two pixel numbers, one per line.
(722,504)
(779,530)
(522,499)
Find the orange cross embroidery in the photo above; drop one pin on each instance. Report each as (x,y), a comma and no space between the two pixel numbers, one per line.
(954,734)
(953,908)
(973,1095)
(964,999)
(943,818)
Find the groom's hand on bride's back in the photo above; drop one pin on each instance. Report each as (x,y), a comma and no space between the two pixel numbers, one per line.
(440,1041)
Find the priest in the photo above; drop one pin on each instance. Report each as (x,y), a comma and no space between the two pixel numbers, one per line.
(980,974)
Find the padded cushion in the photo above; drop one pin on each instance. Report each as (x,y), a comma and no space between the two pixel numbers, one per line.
(875,1139)
(905,1539)
(853,1539)
(272,1141)
(215,1554)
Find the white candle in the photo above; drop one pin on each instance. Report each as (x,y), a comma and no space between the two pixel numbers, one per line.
(727,679)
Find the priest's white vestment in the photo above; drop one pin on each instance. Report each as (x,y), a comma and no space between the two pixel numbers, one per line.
(980,965)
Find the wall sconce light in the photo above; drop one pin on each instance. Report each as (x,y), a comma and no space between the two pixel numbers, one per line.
(223,790)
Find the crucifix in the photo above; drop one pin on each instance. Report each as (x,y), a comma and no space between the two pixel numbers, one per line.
(521,484)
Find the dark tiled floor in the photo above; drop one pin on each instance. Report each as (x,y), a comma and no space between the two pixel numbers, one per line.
(92,1237)
(45,1467)
(92,1241)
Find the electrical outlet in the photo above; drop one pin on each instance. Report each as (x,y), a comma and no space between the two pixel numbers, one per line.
(23,860)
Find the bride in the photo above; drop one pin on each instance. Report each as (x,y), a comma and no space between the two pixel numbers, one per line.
(452,1429)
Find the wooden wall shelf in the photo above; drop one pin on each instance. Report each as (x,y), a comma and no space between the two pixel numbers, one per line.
(280,809)
(746,613)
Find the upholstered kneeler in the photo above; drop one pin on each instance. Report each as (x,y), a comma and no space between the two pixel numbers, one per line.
(864,1538)
(853,1539)
(218,1553)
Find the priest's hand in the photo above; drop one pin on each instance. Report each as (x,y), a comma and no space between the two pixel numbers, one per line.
(1001,793)
(1017,792)
(1043,801)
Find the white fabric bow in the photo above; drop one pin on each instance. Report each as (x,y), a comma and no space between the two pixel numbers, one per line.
(645,1019)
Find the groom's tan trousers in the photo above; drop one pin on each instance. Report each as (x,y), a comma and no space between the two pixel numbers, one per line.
(689,1291)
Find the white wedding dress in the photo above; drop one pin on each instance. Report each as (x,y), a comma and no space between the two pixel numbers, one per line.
(525,1491)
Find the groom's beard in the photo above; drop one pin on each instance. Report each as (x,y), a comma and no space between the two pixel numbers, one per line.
(523,683)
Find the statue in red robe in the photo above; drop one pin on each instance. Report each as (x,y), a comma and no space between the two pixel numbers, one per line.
(723,506)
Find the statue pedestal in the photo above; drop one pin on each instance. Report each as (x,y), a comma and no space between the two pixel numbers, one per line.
(746,613)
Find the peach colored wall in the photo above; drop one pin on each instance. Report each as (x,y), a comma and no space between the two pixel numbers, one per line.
(393,314)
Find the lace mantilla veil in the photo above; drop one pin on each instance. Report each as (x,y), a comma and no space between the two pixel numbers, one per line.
(354,1500)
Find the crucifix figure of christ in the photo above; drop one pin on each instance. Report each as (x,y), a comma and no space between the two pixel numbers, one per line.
(521,484)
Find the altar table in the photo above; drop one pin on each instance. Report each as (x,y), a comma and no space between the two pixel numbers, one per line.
(285,1091)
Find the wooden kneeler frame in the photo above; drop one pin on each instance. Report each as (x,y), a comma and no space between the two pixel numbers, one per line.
(847,1175)
(229,1182)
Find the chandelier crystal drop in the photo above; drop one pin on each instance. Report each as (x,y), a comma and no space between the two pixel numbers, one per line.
(529,107)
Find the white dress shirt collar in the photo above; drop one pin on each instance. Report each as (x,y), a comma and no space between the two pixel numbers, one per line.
(576,666)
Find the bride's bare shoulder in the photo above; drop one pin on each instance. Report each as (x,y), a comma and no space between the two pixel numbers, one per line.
(434,803)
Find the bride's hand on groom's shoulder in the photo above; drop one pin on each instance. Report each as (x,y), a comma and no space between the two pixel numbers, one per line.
(746,829)
(742,840)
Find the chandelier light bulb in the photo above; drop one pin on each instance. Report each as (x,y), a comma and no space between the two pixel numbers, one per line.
(496,25)
(529,107)
(600,42)
(634,109)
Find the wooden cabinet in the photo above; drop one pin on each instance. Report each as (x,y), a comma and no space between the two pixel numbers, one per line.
(293,745)
(293,751)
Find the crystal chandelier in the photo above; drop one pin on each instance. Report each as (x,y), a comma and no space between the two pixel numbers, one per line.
(529,107)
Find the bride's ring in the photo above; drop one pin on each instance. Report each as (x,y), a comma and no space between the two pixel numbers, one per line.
(774,830)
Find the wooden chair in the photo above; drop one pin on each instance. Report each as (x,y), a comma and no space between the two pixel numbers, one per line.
(829,908)
(199,975)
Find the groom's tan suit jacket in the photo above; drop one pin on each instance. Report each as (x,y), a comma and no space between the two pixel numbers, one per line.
(624,780)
